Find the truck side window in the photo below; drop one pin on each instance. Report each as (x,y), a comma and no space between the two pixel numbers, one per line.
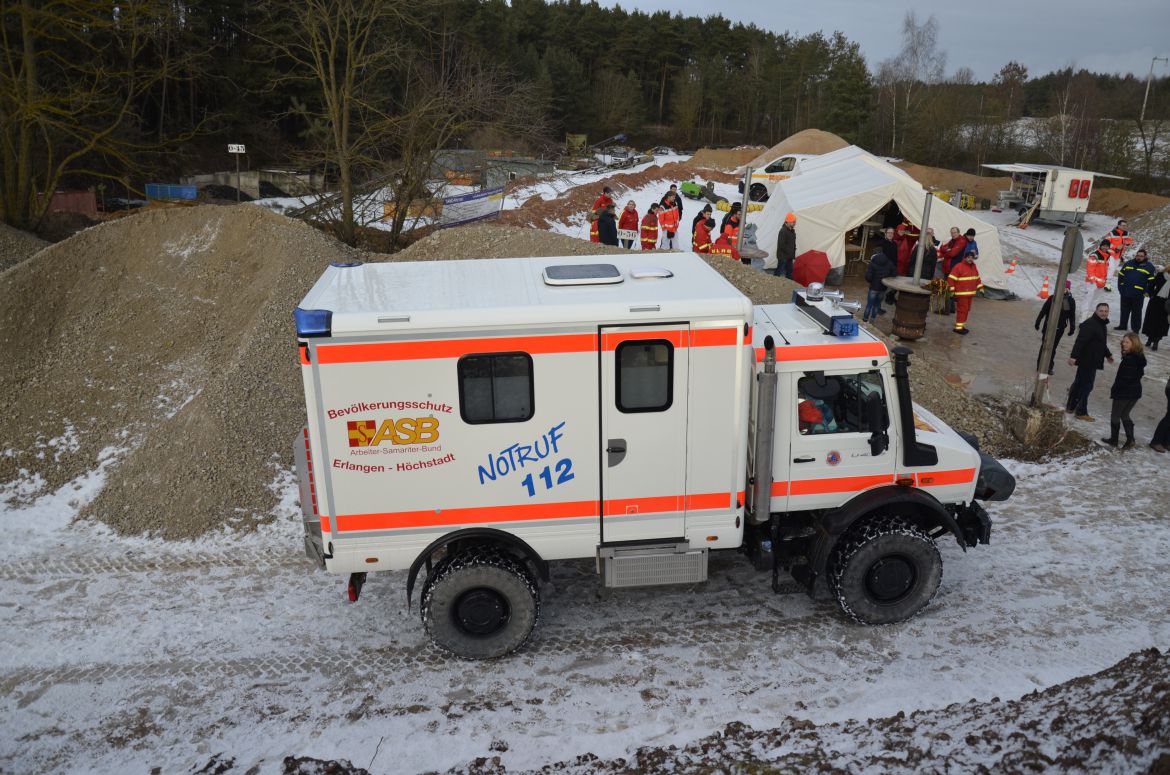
(837,406)
(496,387)
(645,375)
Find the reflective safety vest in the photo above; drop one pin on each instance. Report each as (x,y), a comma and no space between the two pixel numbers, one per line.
(668,219)
(649,235)
(1096,268)
(964,279)
(1119,240)
(701,242)
(594,235)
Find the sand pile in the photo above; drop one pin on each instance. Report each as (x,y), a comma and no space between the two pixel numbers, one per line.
(168,336)
(937,178)
(539,213)
(1124,204)
(805,141)
(163,344)
(17,245)
(725,159)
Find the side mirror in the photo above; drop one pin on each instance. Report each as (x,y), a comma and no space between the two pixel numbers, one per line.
(879,440)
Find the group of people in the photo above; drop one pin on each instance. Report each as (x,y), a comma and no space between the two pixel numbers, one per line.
(952,265)
(660,226)
(1090,353)
(1138,280)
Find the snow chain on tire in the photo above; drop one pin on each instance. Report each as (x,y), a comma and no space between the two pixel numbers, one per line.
(863,536)
(516,631)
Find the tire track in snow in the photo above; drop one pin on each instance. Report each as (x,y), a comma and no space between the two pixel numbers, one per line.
(86,565)
(559,641)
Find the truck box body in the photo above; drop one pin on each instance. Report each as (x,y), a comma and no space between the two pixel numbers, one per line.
(398,460)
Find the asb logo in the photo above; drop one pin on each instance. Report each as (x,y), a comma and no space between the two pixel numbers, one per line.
(833,458)
(404,430)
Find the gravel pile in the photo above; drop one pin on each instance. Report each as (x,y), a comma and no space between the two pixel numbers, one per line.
(1115,721)
(17,245)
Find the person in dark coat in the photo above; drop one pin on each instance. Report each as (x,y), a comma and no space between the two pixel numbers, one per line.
(1133,284)
(929,257)
(1157,322)
(888,245)
(1161,440)
(786,247)
(1089,353)
(607,226)
(1127,389)
(879,268)
(1068,319)
(703,215)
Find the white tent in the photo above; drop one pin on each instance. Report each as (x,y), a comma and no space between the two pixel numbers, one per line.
(839,191)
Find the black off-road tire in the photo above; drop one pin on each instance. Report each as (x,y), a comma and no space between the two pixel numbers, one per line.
(886,570)
(480,604)
(757,193)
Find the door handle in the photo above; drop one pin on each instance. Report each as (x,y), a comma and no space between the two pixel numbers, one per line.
(805,459)
(616,452)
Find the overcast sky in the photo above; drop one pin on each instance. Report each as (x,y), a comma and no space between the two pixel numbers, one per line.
(1101,35)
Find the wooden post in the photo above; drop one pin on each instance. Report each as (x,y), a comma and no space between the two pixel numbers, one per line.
(921,252)
(1067,251)
(744,202)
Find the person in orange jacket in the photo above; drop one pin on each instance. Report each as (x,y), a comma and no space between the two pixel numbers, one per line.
(1096,276)
(724,247)
(1118,240)
(668,220)
(964,282)
(701,241)
(628,222)
(649,234)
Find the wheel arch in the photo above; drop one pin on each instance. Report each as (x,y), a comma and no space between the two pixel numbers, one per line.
(920,508)
(476,535)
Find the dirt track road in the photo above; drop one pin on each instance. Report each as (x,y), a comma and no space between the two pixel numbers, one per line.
(117,654)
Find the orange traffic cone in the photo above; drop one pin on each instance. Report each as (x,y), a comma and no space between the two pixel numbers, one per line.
(1012,268)
(1043,291)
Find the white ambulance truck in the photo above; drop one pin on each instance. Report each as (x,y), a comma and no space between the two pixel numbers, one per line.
(471,421)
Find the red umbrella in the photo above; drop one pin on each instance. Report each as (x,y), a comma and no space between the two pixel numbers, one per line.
(811,266)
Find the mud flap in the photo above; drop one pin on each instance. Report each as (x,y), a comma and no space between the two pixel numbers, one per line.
(975,524)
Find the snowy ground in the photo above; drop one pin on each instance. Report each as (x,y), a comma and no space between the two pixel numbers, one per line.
(131,654)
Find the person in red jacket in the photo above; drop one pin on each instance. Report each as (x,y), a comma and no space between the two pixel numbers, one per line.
(602,201)
(649,235)
(906,242)
(964,282)
(1118,240)
(701,241)
(724,247)
(1096,276)
(594,234)
(952,251)
(628,222)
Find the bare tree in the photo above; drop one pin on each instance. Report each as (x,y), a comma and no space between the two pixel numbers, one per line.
(918,64)
(73,74)
(349,51)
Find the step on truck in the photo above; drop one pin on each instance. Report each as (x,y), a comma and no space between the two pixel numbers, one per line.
(470,422)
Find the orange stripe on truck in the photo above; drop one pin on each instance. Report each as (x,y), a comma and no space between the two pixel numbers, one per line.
(528,511)
(533,345)
(940,478)
(454,348)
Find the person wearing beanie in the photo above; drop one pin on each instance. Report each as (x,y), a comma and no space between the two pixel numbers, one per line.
(972,246)
(1068,319)
(786,247)
(703,215)
(607,226)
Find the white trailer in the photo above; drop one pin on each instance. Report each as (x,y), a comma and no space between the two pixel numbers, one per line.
(471,421)
(1048,192)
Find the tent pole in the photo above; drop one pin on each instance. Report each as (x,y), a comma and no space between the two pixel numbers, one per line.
(743,213)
